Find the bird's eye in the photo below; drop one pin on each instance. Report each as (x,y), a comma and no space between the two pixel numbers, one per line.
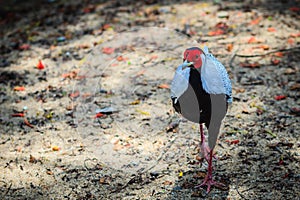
(197,56)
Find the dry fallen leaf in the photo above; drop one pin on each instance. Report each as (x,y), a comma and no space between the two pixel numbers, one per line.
(240,90)
(264,47)
(253,39)
(108,50)
(135,102)
(40,65)
(167,183)
(295,86)
(229,47)
(55,148)
(163,86)
(26,122)
(74,94)
(216,33)
(289,71)
(275,61)
(279,54)
(280,97)
(121,58)
(256,21)
(117,147)
(32,159)
(19,88)
(291,41)
(142,112)
(49,172)
(271,29)
(250,65)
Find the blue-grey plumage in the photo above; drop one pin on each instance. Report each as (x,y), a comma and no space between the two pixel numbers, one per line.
(180,81)
(215,79)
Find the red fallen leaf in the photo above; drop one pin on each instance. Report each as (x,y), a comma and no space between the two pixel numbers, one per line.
(108,50)
(24,47)
(286,175)
(264,47)
(221,25)
(295,34)
(233,141)
(250,65)
(163,86)
(153,57)
(71,75)
(291,41)
(114,64)
(18,115)
(98,115)
(40,65)
(19,88)
(294,9)
(28,124)
(127,145)
(215,33)
(271,29)
(279,54)
(89,9)
(275,61)
(229,47)
(74,94)
(280,97)
(253,40)
(121,58)
(295,110)
(256,21)
(281,162)
(106,26)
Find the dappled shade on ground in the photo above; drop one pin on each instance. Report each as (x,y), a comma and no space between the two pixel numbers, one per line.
(85,110)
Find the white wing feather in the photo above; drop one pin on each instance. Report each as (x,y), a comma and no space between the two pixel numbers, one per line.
(180,81)
(212,71)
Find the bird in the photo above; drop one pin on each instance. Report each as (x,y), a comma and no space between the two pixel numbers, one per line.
(201,92)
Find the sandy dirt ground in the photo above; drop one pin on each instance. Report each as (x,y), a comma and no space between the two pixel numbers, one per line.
(118,60)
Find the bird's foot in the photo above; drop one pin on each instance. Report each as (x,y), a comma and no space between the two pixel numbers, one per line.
(205,151)
(208,181)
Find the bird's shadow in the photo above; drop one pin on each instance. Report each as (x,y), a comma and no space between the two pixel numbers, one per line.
(184,187)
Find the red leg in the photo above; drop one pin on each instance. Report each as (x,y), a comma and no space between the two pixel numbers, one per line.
(208,180)
(204,148)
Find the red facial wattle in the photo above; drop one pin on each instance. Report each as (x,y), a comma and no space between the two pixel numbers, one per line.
(193,55)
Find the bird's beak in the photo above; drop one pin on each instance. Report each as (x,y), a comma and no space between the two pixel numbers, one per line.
(186,64)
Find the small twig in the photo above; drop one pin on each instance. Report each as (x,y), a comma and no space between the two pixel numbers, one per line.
(235,54)
(237,190)
(7,190)
(265,54)
(232,58)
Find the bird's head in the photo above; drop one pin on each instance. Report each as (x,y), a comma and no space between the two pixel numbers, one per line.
(194,57)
